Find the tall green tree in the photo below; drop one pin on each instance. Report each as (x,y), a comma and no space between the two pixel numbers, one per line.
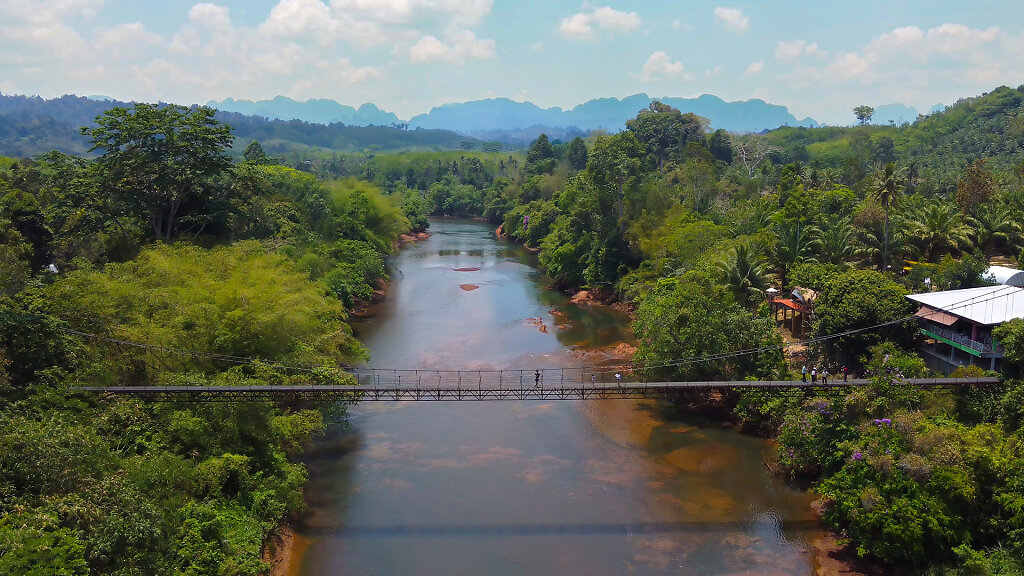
(887,188)
(694,315)
(863,113)
(978,186)
(861,299)
(162,159)
(665,130)
(577,154)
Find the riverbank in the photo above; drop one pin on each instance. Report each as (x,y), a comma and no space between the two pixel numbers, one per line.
(283,552)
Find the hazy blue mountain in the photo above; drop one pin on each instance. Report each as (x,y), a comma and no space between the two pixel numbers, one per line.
(610,114)
(320,111)
(894,114)
(487,115)
(30,125)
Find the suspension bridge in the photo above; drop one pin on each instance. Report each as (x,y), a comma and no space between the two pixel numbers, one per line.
(456,385)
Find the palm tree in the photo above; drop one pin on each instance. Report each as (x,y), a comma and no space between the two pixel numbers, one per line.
(745,275)
(887,188)
(939,228)
(869,239)
(995,229)
(835,243)
(796,243)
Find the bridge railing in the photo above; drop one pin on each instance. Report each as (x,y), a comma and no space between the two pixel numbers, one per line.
(508,378)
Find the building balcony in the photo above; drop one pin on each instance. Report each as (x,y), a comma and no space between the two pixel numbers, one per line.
(960,341)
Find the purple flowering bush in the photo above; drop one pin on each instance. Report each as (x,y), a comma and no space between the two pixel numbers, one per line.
(811,437)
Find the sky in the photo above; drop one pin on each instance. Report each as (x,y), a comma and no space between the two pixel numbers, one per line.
(819,58)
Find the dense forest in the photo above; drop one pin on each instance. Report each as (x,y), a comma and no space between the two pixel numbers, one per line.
(212,259)
(163,240)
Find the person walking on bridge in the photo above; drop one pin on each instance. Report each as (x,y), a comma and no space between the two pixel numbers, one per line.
(536,379)
(814,374)
(846,373)
(618,378)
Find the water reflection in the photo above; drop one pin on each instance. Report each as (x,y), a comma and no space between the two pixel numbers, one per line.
(599,487)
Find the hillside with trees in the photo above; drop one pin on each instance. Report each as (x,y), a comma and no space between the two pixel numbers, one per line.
(174,263)
(689,227)
(165,238)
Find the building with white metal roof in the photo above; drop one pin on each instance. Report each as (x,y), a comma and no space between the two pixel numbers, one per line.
(1005,275)
(957,324)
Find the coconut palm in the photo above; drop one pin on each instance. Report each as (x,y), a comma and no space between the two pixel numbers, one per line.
(745,276)
(939,228)
(886,189)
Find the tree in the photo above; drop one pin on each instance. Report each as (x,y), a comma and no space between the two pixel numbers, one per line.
(577,154)
(745,276)
(996,230)
(976,187)
(162,159)
(863,114)
(665,130)
(937,229)
(540,156)
(861,299)
(835,244)
(886,188)
(254,153)
(721,146)
(693,315)
(751,151)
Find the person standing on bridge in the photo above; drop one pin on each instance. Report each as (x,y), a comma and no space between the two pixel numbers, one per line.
(536,379)
(803,373)
(814,374)
(824,375)
(846,372)
(618,378)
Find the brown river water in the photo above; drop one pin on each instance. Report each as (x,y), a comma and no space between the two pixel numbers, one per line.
(530,487)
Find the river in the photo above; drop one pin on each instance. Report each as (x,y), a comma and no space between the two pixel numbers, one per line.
(508,487)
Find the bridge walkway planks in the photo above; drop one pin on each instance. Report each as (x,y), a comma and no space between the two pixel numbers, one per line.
(480,389)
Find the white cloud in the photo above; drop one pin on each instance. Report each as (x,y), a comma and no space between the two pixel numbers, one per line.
(660,66)
(732,19)
(537,46)
(713,72)
(794,49)
(581,26)
(914,66)
(458,46)
(48,11)
(211,16)
(299,19)
(125,40)
(756,67)
(401,12)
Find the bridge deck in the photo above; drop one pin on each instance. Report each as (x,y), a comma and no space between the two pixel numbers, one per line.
(485,390)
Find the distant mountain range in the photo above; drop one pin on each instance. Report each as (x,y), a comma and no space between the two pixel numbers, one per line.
(899,114)
(492,118)
(30,125)
(320,111)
